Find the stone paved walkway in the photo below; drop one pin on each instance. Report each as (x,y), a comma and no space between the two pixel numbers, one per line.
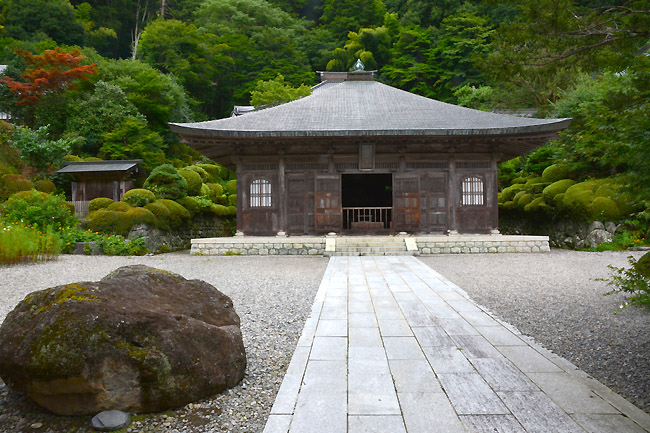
(392,346)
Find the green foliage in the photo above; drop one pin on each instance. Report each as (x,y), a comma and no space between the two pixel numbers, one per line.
(508,194)
(343,16)
(38,209)
(537,206)
(178,215)
(138,197)
(604,209)
(20,244)
(93,115)
(478,98)
(555,172)
(193,180)
(37,150)
(109,244)
(133,139)
(231,187)
(205,177)
(118,206)
(118,221)
(161,214)
(42,19)
(558,187)
(216,191)
(275,92)
(214,172)
(13,183)
(633,282)
(99,203)
(191,204)
(45,185)
(165,182)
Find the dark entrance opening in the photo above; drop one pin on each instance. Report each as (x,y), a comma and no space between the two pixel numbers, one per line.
(367,201)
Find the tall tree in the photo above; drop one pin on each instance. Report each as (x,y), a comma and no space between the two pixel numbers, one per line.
(42,19)
(343,16)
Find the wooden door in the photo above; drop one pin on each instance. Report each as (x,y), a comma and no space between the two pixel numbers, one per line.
(297,204)
(406,202)
(437,202)
(327,203)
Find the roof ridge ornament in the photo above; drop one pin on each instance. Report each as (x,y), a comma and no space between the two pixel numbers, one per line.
(359,66)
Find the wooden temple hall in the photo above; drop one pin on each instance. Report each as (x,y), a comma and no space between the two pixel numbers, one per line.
(358,156)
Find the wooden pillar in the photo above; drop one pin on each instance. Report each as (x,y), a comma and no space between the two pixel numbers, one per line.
(494,217)
(73,192)
(453,196)
(282,196)
(240,194)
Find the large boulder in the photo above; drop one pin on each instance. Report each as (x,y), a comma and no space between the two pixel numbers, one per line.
(139,340)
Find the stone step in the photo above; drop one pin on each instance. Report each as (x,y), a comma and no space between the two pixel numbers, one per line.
(365,253)
(369,249)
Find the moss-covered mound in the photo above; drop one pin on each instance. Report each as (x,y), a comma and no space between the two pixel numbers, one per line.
(99,203)
(193,180)
(138,197)
(165,182)
(141,340)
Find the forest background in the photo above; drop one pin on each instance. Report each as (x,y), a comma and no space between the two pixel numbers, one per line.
(102,79)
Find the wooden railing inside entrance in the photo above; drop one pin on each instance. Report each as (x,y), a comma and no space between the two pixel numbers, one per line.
(367,218)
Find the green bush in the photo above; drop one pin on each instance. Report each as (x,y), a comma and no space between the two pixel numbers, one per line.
(232,200)
(231,187)
(138,197)
(509,193)
(219,210)
(45,185)
(604,208)
(213,171)
(216,191)
(577,199)
(118,222)
(166,183)
(178,215)
(533,180)
(558,201)
(13,183)
(118,206)
(39,209)
(232,210)
(556,188)
(205,190)
(193,180)
(161,214)
(633,282)
(555,172)
(537,188)
(205,177)
(524,200)
(537,206)
(99,203)
(191,205)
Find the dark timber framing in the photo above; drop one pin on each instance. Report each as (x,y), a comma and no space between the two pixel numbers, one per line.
(442,158)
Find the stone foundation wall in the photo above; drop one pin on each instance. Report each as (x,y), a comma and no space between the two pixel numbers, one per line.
(259,246)
(199,227)
(475,245)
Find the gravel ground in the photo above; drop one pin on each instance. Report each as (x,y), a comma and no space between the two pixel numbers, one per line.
(551,297)
(272,295)
(554,299)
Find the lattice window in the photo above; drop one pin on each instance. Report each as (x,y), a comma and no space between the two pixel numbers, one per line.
(260,193)
(472,191)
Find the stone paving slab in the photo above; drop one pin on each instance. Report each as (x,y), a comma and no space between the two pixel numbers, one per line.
(392,346)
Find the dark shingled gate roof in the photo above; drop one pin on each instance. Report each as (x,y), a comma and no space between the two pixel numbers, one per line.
(368,108)
(100,166)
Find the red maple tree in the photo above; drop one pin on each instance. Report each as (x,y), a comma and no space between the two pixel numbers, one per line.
(53,71)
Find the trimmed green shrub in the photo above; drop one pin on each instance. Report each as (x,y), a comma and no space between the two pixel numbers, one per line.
(193,180)
(116,222)
(555,172)
(138,197)
(577,199)
(191,205)
(232,200)
(232,210)
(231,187)
(118,206)
(604,208)
(205,177)
(537,206)
(556,188)
(166,183)
(45,185)
(533,180)
(219,210)
(517,180)
(13,183)
(537,188)
(71,158)
(92,158)
(70,207)
(39,209)
(213,172)
(205,190)
(216,191)
(177,213)
(509,193)
(517,196)
(161,214)
(99,203)
(524,200)
(558,200)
